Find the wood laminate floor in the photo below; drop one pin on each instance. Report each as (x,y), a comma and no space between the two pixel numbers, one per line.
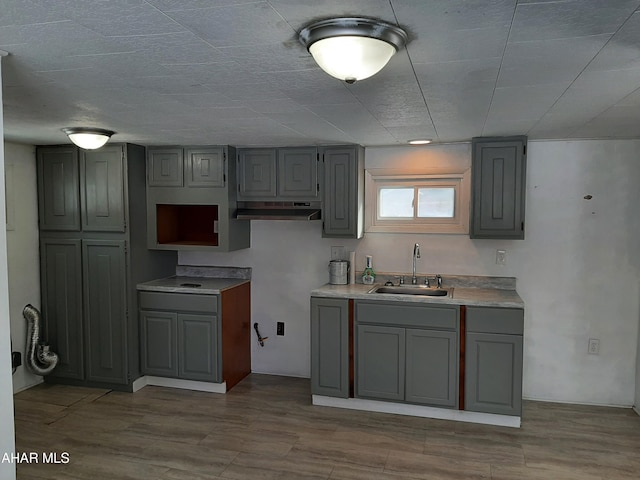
(266,428)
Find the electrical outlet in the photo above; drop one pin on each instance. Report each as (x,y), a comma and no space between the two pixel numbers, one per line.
(16,359)
(280,328)
(594,346)
(501,257)
(337,253)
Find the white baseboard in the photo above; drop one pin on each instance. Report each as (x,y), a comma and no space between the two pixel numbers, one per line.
(178,383)
(417,411)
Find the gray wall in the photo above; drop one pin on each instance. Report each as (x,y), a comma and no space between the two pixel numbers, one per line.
(22,248)
(573,249)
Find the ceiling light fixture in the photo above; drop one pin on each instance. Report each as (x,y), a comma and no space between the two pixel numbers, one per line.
(352,48)
(88,138)
(420,141)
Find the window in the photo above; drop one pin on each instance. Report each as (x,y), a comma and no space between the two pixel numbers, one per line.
(424,203)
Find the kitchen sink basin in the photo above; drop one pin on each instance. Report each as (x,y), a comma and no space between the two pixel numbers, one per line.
(422,290)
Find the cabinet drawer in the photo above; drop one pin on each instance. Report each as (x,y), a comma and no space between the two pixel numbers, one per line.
(508,321)
(178,302)
(412,315)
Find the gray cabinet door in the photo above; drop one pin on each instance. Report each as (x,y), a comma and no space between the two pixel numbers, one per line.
(205,167)
(432,367)
(199,347)
(298,172)
(165,167)
(380,362)
(105,310)
(498,183)
(58,195)
(257,172)
(61,280)
(102,189)
(493,379)
(343,208)
(159,346)
(330,347)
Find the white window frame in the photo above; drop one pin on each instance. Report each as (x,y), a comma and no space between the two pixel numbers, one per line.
(459,180)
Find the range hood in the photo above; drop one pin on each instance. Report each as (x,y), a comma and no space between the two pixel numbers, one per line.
(279,211)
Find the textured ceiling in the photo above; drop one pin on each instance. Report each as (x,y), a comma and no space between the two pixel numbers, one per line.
(233,72)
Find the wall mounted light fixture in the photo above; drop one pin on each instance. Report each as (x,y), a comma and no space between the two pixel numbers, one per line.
(352,48)
(88,138)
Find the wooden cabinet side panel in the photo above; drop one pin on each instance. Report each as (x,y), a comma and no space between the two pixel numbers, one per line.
(236,334)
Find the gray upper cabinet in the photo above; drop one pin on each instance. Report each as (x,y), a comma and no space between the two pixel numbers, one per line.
(493,360)
(257,173)
(102,189)
(105,309)
(330,347)
(199,212)
(498,187)
(343,202)
(298,172)
(61,279)
(165,167)
(58,199)
(205,167)
(287,174)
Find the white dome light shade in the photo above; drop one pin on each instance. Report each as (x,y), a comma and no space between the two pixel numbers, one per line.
(351,58)
(88,138)
(352,49)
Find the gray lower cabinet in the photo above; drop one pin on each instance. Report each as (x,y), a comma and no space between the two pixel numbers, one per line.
(343,199)
(106,310)
(61,285)
(381,362)
(159,350)
(181,336)
(498,187)
(407,352)
(493,360)
(431,367)
(330,347)
(198,352)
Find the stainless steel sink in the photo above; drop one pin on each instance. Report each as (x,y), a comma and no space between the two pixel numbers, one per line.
(413,290)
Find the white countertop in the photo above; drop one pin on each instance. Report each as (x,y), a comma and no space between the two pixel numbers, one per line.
(485,297)
(184,284)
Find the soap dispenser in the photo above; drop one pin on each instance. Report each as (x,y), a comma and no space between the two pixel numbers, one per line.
(368,276)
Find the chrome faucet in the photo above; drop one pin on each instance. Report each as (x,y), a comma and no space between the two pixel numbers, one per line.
(416,254)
